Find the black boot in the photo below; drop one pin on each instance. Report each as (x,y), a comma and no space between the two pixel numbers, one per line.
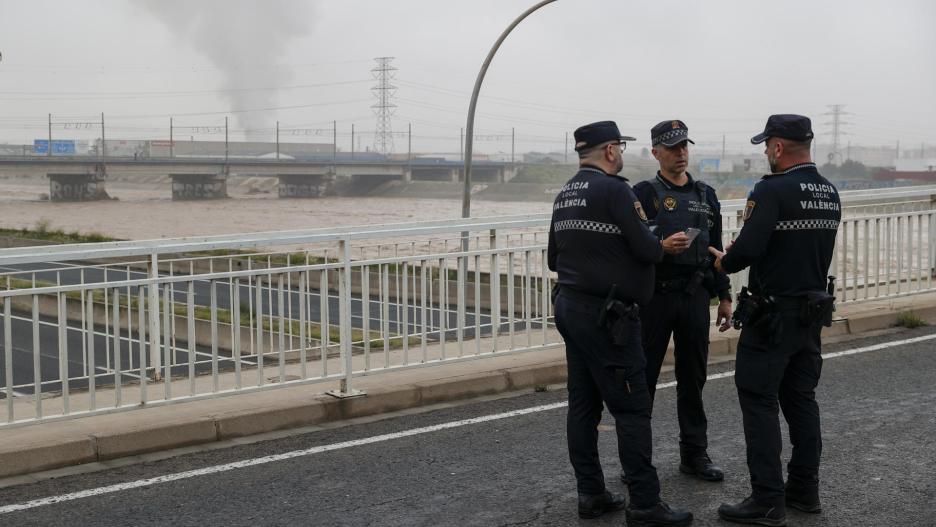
(594,505)
(659,515)
(749,511)
(701,466)
(803,496)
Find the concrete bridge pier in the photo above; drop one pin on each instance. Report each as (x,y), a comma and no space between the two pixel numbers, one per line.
(306,185)
(78,187)
(198,186)
(506,173)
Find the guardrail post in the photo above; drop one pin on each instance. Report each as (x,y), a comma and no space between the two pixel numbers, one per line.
(155,358)
(344,307)
(494,280)
(932,235)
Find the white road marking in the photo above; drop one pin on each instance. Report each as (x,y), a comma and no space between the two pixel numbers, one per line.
(216,469)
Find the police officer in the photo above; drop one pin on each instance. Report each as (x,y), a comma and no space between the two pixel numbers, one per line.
(685,281)
(790,222)
(603,253)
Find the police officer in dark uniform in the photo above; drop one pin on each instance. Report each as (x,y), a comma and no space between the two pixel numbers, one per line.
(685,282)
(603,252)
(790,223)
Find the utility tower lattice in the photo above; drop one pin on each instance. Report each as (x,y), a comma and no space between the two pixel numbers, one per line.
(384,91)
(837,111)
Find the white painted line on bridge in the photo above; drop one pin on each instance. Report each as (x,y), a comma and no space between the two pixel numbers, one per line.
(216,469)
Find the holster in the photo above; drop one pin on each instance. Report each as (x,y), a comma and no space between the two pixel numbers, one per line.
(817,309)
(754,311)
(615,315)
(748,309)
(698,276)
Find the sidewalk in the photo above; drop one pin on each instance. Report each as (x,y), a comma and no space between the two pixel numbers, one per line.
(45,446)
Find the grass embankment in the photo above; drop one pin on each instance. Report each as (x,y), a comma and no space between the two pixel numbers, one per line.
(43,232)
(550,174)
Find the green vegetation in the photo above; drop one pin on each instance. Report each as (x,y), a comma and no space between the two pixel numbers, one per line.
(910,320)
(284,259)
(543,174)
(42,231)
(847,170)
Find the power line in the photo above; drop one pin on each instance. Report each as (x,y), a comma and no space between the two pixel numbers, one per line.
(90,96)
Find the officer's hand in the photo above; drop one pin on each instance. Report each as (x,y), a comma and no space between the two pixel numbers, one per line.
(676,243)
(724,315)
(718,256)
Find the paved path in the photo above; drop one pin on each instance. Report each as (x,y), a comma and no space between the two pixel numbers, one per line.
(878,464)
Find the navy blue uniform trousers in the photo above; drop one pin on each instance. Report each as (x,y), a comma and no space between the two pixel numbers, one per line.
(686,317)
(782,372)
(600,371)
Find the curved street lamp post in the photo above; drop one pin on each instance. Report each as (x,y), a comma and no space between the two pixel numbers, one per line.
(469,129)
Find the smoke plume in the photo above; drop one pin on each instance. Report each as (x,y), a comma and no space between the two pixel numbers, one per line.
(246,40)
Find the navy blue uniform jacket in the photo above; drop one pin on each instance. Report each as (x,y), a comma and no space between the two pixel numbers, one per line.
(599,237)
(790,222)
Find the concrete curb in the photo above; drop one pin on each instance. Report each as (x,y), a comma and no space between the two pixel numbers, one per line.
(104,437)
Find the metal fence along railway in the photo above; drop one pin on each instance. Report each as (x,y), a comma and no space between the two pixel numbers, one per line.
(106,327)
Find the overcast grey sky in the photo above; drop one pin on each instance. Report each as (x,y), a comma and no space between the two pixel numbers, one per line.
(720,66)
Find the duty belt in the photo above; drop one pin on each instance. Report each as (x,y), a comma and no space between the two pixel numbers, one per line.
(579,296)
(788,303)
(671,285)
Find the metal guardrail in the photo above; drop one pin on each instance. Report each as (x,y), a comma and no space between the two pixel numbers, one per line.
(106,327)
(97,328)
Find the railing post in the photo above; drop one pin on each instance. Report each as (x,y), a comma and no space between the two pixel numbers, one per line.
(155,358)
(494,281)
(932,235)
(344,307)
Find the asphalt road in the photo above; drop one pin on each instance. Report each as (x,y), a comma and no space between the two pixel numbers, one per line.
(879,431)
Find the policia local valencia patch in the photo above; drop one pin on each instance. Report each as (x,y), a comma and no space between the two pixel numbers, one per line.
(749,209)
(640,211)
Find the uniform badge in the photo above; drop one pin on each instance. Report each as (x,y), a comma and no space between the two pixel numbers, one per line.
(748,209)
(675,125)
(640,211)
(669,203)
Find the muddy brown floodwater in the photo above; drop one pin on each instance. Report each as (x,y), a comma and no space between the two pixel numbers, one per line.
(147,212)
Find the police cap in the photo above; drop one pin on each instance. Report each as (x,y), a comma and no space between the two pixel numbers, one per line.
(595,134)
(787,126)
(670,133)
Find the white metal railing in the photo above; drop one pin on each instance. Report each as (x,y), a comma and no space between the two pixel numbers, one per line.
(878,256)
(107,327)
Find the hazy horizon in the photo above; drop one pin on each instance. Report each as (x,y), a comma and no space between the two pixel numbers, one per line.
(721,67)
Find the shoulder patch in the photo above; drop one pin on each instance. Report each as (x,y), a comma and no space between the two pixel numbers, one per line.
(640,211)
(749,209)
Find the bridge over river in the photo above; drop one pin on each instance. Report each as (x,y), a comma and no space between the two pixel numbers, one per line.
(81,178)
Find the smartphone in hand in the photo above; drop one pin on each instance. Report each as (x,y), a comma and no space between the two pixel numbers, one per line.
(692,232)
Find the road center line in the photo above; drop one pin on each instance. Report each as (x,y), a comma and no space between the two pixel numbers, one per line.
(216,469)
